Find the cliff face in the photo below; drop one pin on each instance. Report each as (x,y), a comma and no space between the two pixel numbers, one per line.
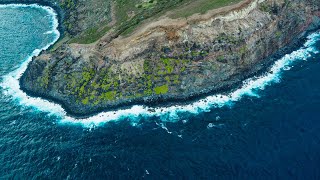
(171,58)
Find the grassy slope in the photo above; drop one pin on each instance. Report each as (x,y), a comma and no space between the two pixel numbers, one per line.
(201,6)
(130,13)
(91,35)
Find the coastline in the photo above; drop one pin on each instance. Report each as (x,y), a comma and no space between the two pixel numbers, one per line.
(236,83)
(169,107)
(11,81)
(248,88)
(62,78)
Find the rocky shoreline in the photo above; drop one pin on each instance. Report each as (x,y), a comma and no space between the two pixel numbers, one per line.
(165,69)
(231,85)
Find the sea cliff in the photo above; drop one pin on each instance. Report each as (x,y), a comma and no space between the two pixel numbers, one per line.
(166,58)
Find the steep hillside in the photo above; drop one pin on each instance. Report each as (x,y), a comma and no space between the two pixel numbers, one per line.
(157,51)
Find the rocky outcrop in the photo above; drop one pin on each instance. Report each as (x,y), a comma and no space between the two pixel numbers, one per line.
(170,59)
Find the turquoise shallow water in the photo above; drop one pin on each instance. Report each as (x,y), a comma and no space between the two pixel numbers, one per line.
(269,128)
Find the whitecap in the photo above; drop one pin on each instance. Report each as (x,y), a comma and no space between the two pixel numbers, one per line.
(49,32)
(286,68)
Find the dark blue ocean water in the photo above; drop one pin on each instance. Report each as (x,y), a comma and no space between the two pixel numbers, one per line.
(273,136)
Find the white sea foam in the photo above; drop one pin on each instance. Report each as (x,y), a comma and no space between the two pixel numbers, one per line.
(47,8)
(249,88)
(49,32)
(10,82)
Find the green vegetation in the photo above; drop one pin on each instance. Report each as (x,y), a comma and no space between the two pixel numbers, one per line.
(161,89)
(91,87)
(130,30)
(167,69)
(265,7)
(222,59)
(78,83)
(200,6)
(243,50)
(67,4)
(278,34)
(85,101)
(168,64)
(109,96)
(146,4)
(59,43)
(129,14)
(90,35)
(227,38)
(45,78)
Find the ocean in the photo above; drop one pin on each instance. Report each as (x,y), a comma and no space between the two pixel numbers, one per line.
(267,129)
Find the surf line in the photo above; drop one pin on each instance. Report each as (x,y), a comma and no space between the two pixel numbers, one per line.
(249,88)
(171,113)
(12,88)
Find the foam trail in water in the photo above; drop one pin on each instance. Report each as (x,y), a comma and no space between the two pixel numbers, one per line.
(12,88)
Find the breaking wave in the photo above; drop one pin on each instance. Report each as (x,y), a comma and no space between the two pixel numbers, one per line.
(11,86)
